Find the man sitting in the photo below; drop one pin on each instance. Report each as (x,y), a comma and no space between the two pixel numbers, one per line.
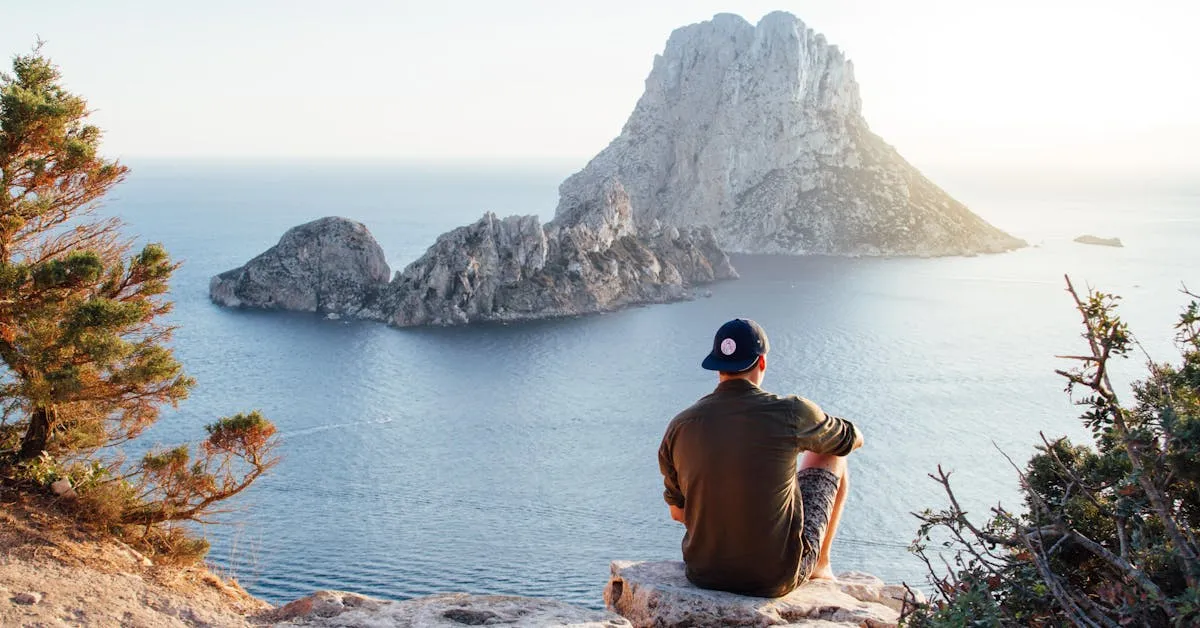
(754,525)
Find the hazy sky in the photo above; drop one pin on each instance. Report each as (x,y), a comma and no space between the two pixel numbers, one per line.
(1107,84)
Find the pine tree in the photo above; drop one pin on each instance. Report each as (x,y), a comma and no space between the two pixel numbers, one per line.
(86,366)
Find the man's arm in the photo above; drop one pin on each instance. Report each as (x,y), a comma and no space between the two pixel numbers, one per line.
(671,493)
(824,433)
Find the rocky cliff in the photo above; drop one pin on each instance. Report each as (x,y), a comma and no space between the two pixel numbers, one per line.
(757,132)
(331,265)
(590,258)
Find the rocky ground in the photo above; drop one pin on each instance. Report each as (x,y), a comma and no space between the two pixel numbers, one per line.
(55,573)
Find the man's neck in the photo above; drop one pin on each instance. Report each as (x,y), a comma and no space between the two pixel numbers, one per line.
(737,378)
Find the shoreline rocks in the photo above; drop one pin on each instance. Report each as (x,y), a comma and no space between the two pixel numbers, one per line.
(757,131)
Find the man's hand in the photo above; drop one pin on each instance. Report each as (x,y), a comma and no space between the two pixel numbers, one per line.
(677,513)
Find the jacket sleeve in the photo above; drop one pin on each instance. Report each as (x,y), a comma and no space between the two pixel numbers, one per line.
(671,493)
(822,433)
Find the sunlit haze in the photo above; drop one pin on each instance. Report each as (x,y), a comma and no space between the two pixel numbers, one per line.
(1064,84)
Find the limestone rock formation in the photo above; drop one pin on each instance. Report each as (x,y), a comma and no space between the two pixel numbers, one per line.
(757,131)
(331,265)
(658,594)
(590,258)
(337,608)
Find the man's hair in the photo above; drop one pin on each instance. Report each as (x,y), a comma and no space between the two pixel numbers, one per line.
(741,373)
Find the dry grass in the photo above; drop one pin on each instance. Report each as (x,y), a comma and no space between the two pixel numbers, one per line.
(37,528)
(40,531)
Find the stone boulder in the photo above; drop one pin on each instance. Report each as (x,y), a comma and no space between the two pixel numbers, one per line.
(338,608)
(757,131)
(658,594)
(331,266)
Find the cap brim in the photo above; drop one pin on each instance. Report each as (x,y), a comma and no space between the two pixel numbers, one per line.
(716,363)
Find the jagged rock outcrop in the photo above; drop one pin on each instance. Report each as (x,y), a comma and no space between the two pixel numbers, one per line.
(337,608)
(658,594)
(757,132)
(590,258)
(331,265)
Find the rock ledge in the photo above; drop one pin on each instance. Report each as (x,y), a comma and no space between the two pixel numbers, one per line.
(658,594)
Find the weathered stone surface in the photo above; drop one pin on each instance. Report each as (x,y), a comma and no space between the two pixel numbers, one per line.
(757,131)
(331,265)
(590,258)
(868,588)
(463,276)
(336,608)
(1098,241)
(658,594)
(27,598)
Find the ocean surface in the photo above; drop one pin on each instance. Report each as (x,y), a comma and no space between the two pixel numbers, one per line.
(521,459)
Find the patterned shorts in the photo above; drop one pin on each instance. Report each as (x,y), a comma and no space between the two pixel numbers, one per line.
(818,490)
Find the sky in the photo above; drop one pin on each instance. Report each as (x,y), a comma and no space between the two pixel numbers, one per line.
(1057,83)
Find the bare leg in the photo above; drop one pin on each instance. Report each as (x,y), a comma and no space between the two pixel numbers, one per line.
(837,466)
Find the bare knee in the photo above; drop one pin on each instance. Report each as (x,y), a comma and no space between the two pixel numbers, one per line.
(833,464)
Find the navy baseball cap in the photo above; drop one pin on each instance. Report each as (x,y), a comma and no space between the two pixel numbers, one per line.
(736,346)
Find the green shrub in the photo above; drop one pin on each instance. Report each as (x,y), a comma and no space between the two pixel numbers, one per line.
(1108,534)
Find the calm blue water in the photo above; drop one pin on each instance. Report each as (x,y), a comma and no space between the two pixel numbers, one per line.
(521,459)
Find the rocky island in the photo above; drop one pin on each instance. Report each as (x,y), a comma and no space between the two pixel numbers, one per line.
(590,258)
(329,266)
(1098,241)
(757,131)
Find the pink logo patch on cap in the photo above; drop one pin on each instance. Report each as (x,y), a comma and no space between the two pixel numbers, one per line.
(728,346)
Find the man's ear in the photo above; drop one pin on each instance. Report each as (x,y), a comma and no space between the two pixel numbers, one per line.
(762,362)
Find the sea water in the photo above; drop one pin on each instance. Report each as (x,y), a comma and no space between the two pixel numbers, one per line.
(521,459)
